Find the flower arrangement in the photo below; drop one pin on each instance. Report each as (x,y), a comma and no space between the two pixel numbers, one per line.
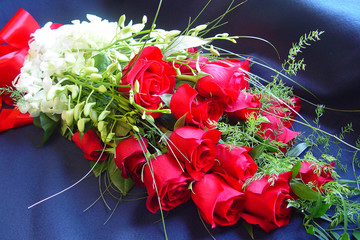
(166,111)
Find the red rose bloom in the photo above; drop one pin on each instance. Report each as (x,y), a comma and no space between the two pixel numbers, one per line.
(318,176)
(191,64)
(195,148)
(90,144)
(218,203)
(199,111)
(236,161)
(244,106)
(225,80)
(171,183)
(276,131)
(266,204)
(155,77)
(286,111)
(130,158)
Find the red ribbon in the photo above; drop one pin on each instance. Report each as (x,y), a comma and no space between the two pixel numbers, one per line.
(14,38)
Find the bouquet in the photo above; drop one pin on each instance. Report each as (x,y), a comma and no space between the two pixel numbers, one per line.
(171,112)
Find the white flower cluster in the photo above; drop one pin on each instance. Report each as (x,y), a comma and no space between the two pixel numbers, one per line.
(56,51)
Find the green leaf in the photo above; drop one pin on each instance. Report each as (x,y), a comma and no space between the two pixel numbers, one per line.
(303,191)
(180,122)
(256,151)
(36,122)
(123,184)
(310,230)
(249,228)
(345,236)
(166,98)
(322,210)
(48,125)
(316,208)
(122,129)
(101,62)
(99,168)
(295,169)
(297,150)
(356,234)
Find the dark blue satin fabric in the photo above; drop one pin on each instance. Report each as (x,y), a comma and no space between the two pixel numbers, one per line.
(29,174)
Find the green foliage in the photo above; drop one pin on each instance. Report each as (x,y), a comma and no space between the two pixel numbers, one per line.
(48,124)
(291,66)
(15,94)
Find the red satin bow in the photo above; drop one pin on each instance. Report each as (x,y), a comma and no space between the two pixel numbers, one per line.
(14,38)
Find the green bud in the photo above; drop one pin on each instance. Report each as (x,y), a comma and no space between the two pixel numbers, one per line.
(136,86)
(109,137)
(214,51)
(200,27)
(81,124)
(121,57)
(89,70)
(118,77)
(130,120)
(102,89)
(69,117)
(63,115)
(88,108)
(131,97)
(121,21)
(95,77)
(104,134)
(135,128)
(101,125)
(103,115)
(53,91)
(74,89)
(166,111)
(181,57)
(144,19)
(93,115)
(112,68)
(77,110)
(149,118)
(143,116)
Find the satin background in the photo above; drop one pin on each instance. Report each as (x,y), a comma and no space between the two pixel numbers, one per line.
(29,174)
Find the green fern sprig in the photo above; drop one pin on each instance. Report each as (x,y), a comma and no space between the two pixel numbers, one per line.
(291,66)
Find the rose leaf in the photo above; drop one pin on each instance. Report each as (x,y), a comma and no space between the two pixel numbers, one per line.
(123,184)
(303,191)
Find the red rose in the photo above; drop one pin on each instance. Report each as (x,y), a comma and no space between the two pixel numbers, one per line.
(218,203)
(236,161)
(189,65)
(90,144)
(195,148)
(317,175)
(285,111)
(225,80)
(266,203)
(276,131)
(199,111)
(130,158)
(245,105)
(171,183)
(154,75)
